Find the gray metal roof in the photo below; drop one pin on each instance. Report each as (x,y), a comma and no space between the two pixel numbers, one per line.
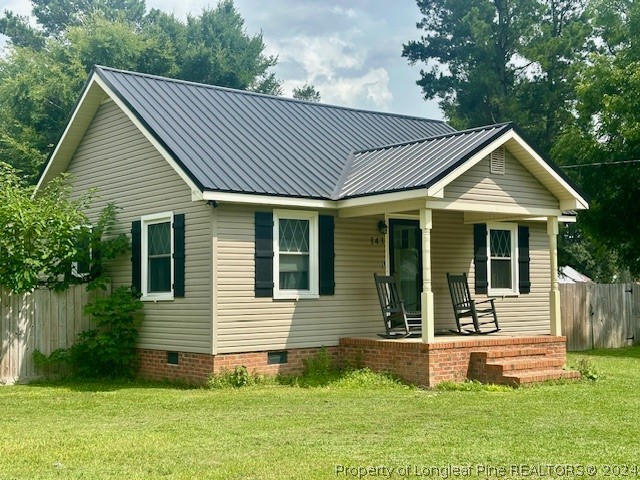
(413,164)
(236,141)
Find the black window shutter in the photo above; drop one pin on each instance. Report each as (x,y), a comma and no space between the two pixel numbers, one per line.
(524,280)
(264,254)
(178,255)
(480,257)
(136,255)
(95,267)
(326,247)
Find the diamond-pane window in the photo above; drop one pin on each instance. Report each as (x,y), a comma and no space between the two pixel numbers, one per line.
(294,235)
(500,243)
(295,254)
(158,257)
(502,262)
(160,239)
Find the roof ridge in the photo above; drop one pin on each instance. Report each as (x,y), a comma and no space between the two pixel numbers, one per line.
(256,94)
(434,137)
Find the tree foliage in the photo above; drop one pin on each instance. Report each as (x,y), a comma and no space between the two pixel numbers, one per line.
(45,67)
(37,244)
(607,131)
(306,92)
(45,234)
(491,61)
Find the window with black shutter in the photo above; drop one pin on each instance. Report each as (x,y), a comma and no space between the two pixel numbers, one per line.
(158,256)
(294,254)
(501,259)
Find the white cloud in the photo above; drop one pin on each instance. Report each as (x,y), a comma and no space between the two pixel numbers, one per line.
(347,12)
(320,57)
(369,90)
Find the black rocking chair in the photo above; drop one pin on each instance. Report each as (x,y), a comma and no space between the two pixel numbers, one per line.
(398,322)
(464,308)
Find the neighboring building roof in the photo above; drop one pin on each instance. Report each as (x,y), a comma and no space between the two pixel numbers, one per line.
(569,274)
(237,141)
(402,166)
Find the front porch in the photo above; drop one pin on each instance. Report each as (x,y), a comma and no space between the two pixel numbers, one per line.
(501,359)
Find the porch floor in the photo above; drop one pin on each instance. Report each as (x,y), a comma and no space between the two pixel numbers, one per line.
(496,358)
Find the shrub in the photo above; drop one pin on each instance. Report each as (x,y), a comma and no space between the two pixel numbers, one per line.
(109,349)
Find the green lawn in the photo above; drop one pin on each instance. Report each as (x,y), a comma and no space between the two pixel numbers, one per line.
(120,430)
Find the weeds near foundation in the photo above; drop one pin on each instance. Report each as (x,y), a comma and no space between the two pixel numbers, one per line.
(320,371)
(587,369)
(240,377)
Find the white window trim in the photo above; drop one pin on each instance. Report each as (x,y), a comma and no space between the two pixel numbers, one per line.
(313,292)
(145,221)
(513,228)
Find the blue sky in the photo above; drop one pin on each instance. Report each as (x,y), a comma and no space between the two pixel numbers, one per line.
(349,49)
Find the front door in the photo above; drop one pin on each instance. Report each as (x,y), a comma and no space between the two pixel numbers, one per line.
(405,260)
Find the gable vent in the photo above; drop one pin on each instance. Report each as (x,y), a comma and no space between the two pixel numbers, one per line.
(497,161)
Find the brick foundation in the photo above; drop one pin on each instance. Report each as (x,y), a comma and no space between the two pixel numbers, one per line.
(427,364)
(196,367)
(424,364)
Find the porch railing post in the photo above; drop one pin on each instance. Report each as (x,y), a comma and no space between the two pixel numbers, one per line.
(554,293)
(428,327)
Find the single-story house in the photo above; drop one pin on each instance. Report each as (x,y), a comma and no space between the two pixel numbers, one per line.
(257,223)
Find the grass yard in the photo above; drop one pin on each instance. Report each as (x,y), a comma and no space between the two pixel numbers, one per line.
(138,430)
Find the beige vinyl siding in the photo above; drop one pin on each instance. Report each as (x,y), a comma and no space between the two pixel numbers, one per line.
(246,323)
(517,187)
(121,163)
(452,251)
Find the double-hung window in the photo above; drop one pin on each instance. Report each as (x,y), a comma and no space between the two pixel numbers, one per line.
(295,247)
(157,256)
(503,258)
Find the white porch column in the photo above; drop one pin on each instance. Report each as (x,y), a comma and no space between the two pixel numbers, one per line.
(428,324)
(554,293)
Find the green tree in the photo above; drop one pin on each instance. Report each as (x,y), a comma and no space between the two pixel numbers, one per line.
(306,92)
(469,48)
(45,68)
(492,61)
(40,233)
(605,136)
(55,16)
(218,51)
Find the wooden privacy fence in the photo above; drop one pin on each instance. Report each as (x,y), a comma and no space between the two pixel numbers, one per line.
(600,316)
(41,320)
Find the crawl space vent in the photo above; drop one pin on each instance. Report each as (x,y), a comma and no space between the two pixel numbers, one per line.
(497,161)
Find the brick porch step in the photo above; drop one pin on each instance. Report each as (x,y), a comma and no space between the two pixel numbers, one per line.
(515,352)
(518,366)
(525,363)
(539,376)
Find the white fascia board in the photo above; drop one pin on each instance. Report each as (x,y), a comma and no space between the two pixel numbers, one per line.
(253,199)
(418,193)
(491,208)
(580,202)
(146,133)
(70,124)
